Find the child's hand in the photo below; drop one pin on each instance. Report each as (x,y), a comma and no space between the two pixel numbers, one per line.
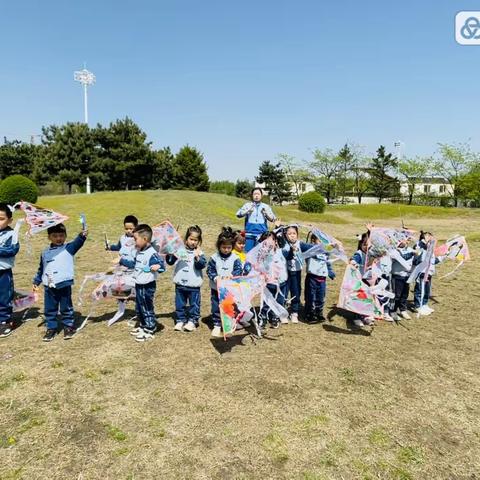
(84,233)
(369,226)
(154,268)
(35,288)
(198,253)
(277,223)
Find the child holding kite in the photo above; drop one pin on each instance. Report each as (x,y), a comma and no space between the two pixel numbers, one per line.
(293,250)
(9,247)
(400,273)
(223,263)
(318,269)
(425,260)
(126,244)
(56,272)
(188,279)
(146,264)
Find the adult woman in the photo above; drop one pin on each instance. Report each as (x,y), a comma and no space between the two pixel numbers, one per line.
(257,215)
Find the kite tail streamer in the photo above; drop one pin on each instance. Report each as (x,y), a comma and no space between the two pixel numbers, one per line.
(122,305)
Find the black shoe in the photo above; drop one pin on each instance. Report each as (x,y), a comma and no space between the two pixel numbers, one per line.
(262,322)
(319,317)
(69,332)
(49,335)
(5,330)
(274,323)
(310,318)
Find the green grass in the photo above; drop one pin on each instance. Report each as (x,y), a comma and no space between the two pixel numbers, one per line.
(387,211)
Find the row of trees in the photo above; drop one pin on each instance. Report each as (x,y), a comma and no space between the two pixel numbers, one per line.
(114,157)
(348,172)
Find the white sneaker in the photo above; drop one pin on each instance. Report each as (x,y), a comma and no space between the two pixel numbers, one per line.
(404,314)
(217,332)
(190,327)
(135,331)
(423,311)
(368,321)
(178,327)
(144,336)
(388,318)
(283,320)
(358,323)
(428,309)
(294,317)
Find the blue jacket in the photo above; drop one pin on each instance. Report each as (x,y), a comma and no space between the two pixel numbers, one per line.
(360,258)
(125,247)
(320,266)
(142,263)
(56,269)
(188,272)
(223,266)
(294,261)
(256,222)
(8,249)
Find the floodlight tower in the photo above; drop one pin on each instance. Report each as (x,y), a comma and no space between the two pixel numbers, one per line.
(87,79)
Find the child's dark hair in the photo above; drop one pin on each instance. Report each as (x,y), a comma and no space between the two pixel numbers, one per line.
(194,229)
(60,228)
(226,237)
(364,237)
(256,188)
(311,237)
(131,219)
(422,235)
(6,208)
(144,231)
(239,237)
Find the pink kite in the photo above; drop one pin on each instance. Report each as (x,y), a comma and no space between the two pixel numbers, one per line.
(167,240)
(38,218)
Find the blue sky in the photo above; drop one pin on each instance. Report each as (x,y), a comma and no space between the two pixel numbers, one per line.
(244,81)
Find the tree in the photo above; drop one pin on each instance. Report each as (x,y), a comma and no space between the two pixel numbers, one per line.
(275,181)
(346,157)
(381,169)
(412,170)
(295,174)
(18,158)
(470,184)
(69,151)
(222,186)
(243,188)
(455,162)
(124,158)
(325,166)
(190,170)
(164,165)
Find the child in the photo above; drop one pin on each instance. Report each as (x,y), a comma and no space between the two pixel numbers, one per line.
(56,272)
(126,244)
(222,264)
(239,246)
(384,265)
(318,268)
(9,247)
(188,279)
(400,274)
(277,283)
(359,260)
(146,264)
(292,250)
(423,285)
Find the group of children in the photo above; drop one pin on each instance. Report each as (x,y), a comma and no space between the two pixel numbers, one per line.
(138,256)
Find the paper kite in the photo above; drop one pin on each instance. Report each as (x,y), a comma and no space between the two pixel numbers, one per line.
(38,218)
(168,241)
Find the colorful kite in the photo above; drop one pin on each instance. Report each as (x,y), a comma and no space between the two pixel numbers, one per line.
(332,246)
(456,249)
(385,240)
(118,285)
(23,299)
(236,295)
(167,240)
(261,259)
(38,218)
(359,297)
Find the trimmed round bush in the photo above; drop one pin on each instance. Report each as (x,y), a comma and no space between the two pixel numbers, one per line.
(311,202)
(16,188)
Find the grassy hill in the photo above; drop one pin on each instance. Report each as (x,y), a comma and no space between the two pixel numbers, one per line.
(306,402)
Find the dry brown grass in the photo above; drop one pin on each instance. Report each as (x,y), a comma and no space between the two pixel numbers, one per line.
(308,402)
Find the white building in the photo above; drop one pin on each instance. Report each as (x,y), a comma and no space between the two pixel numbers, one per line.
(428,186)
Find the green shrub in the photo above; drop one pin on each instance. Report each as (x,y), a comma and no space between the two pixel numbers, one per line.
(311,202)
(16,188)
